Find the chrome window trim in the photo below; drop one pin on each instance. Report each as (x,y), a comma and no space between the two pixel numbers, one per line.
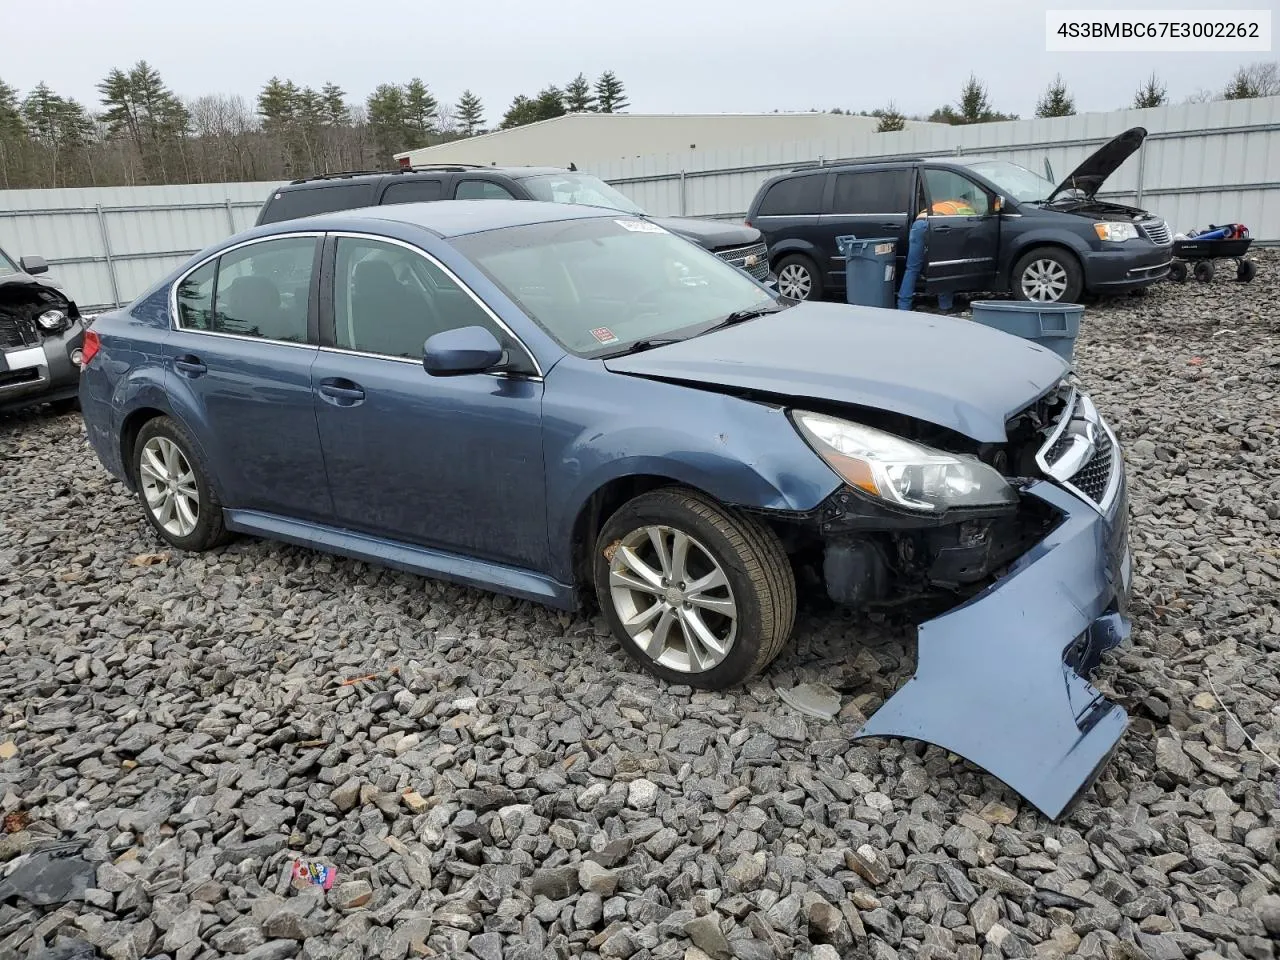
(500,374)
(498,321)
(175,322)
(794,216)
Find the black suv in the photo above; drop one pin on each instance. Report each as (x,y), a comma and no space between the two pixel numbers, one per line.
(734,243)
(1015,230)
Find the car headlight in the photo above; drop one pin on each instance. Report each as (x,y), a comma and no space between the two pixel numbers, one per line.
(901,472)
(1116,232)
(51,321)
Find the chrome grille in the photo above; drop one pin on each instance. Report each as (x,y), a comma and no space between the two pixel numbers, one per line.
(1157,231)
(1081,453)
(16,333)
(738,257)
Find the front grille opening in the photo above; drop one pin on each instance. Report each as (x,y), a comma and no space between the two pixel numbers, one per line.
(15,378)
(1094,477)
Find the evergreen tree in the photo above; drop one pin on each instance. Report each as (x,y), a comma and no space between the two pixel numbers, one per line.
(278,103)
(1153,93)
(388,118)
(420,109)
(891,121)
(578,97)
(1260,79)
(610,95)
(11,126)
(470,113)
(549,103)
(142,109)
(336,111)
(1056,102)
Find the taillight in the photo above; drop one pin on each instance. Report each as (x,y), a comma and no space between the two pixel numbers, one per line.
(89,348)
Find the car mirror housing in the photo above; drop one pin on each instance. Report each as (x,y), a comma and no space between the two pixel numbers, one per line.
(453,353)
(33,265)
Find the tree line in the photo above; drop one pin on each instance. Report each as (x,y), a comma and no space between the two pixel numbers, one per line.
(1261,79)
(144,133)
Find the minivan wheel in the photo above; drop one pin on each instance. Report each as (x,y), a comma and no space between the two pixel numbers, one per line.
(696,593)
(1047,275)
(798,278)
(173,487)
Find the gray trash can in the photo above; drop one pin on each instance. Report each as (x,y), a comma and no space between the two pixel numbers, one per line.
(869,269)
(1052,325)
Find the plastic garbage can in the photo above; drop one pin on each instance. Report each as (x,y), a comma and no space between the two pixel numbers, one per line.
(1052,325)
(869,270)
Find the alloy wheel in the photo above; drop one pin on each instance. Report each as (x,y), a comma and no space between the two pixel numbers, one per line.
(1044,280)
(169,486)
(673,598)
(794,282)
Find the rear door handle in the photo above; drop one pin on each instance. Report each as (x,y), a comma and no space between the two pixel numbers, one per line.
(341,392)
(189,365)
(941,228)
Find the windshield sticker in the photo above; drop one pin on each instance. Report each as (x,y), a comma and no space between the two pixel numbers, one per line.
(604,335)
(639,226)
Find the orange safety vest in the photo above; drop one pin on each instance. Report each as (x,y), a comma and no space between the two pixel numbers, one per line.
(949,208)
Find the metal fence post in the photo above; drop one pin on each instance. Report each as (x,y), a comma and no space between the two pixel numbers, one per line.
(1142,167)
(231,217)
(106,249)
(684,199)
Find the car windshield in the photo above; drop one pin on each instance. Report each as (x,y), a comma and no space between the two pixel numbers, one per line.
(578,188)
(1013,180)
(7,266)
(601,285)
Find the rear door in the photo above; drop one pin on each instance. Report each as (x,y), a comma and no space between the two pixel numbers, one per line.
(963,247)
(866,204)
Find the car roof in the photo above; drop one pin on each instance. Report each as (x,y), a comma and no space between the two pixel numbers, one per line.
(456,218)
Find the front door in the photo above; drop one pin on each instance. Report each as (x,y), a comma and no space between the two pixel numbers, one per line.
(239,370)
(867,204)
(964,239)
(452,463)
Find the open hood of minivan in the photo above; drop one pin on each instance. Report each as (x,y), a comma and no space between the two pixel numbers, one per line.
(1089,176)
(943,370)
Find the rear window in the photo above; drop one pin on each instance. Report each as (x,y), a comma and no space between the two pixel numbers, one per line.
(308,201)
(413,191)
(794,197)
(872,191)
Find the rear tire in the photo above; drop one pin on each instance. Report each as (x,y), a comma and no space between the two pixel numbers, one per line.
(1047,275)
(799,274)
(173,487)
(649,560)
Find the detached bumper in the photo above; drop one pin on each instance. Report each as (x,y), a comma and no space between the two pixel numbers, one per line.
(1001,681)
(1119,270)
(41,373)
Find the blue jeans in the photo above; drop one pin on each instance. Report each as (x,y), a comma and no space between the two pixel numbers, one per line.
(915,263)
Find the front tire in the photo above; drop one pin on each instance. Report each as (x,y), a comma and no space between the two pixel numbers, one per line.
(1047,275)
(799,278)
(696,593)
(173,487)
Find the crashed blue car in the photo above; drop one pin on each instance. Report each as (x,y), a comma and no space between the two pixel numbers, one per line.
(573,405)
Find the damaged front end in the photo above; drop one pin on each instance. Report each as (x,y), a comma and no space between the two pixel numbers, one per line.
(41,332)
(1001,679)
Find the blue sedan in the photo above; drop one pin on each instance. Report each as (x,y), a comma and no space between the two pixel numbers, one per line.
(574,405)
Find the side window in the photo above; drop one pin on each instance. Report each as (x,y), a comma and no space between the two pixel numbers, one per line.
(262,289)
(195,298)
(413,191)
(307,201)
(951,194)
(389,300)
(481,190)
(872,191)
(795,197)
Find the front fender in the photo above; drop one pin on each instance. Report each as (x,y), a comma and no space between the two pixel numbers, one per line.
(601,427)
(1041,237)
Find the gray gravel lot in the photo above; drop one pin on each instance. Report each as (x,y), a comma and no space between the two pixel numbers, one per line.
(494,779)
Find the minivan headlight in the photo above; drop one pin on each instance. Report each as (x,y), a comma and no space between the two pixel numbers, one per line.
(1116,232)
(901,472)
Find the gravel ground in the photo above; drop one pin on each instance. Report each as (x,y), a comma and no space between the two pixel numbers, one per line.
(493,779)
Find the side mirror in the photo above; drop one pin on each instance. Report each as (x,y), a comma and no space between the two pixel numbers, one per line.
(33,265)
(453,353)
(998,205)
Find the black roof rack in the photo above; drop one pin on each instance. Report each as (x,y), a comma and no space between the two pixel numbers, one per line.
(340,175)
(444,167)
(437,167)
(855,162)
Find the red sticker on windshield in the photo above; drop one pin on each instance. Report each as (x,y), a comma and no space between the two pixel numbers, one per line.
(604,335)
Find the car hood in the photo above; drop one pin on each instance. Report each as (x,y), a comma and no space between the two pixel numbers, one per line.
(712,234)
(1089,176)
(954,373)
(47,282)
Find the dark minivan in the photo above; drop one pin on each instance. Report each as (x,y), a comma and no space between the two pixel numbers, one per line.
(1018,232)
(741,246)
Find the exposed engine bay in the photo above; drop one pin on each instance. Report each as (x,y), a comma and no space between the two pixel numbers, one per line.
(30,311)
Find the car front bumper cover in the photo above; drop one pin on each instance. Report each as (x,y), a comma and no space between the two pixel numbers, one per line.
(42,372)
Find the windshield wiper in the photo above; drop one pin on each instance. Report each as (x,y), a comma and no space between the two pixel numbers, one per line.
(741,316)
(641,345)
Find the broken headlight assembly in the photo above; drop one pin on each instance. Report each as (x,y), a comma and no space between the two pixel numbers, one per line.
(53,321)
(900,472)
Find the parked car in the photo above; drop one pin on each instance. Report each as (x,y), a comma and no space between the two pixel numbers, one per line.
(1026,236)
(40,334)
(560,403)
(732,242)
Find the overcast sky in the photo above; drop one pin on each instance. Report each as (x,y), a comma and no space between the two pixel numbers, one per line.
(703,56)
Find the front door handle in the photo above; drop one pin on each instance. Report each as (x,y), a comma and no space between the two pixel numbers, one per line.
(341,392)
(189,365)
